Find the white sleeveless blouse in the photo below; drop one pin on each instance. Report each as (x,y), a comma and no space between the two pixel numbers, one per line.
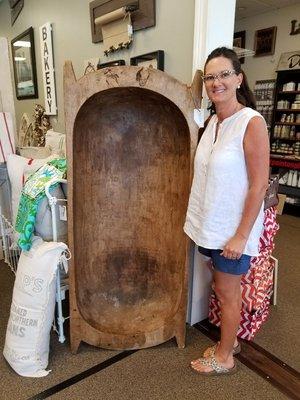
(220,185)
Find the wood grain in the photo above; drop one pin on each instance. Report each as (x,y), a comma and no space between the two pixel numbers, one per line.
(130,146)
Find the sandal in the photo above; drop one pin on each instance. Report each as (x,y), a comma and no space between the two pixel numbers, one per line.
(217,369)
(211,350)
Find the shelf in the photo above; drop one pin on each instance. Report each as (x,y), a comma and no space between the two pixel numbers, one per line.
(288,110)
(288,123)
(281,138)
(289,190)
(289,92)
(283,154)
(283,162)
(291,209)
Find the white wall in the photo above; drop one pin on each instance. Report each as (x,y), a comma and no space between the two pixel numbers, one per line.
(264,67)
(72,40)
(6,87)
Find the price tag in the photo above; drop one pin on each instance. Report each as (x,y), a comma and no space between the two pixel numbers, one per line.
(62,213)
(199,117)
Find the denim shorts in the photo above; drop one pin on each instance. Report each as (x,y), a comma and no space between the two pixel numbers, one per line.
(223,264)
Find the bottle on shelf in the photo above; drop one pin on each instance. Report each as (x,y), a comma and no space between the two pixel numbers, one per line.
(290,178)
(292,132)
(295,178)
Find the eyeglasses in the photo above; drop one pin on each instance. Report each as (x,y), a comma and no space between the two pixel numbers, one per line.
(220,76)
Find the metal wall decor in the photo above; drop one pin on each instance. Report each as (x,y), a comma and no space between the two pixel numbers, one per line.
(23,56)
(154,59)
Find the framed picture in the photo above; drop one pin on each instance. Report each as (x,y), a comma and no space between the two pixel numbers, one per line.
(264,41)
(23,57)
(154,59)
(110,64)
(239,40)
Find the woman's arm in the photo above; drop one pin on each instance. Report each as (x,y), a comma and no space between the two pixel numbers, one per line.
(257,153)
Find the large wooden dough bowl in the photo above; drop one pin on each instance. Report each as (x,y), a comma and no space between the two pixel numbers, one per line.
(130,144)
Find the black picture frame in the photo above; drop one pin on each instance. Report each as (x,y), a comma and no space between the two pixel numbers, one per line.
(110,64)
(23,58)
(239,40)
(264,41)
(156,59)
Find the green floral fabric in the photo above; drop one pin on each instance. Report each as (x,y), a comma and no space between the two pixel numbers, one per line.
(33,192)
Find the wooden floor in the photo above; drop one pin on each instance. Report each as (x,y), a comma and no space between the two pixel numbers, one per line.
(163,372)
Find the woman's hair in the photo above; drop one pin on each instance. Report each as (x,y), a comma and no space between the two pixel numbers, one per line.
(244,94)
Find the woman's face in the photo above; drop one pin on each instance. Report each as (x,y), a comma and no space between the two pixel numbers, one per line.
(223,83)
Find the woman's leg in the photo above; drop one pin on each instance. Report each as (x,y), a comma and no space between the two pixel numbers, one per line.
(228,291)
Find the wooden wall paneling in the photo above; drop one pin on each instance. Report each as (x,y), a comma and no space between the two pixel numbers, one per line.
(130,144)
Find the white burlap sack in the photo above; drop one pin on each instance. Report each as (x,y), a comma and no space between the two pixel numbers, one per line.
(32,310)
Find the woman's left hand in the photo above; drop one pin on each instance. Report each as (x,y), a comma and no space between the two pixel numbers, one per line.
(234,247)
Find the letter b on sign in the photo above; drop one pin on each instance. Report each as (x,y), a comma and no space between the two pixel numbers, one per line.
(44,32)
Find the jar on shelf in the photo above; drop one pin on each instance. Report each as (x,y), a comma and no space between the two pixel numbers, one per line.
(290,178)
(283,118)
(292,134)
(289,86)
(295,178)
(297,149)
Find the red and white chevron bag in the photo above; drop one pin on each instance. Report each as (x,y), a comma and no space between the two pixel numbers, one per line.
(256,285)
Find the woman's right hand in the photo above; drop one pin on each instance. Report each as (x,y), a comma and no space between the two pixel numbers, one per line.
(234,247)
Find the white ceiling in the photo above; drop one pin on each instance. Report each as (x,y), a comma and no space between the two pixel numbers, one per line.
(249,8)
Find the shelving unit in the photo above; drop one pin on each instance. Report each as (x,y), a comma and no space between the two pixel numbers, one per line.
(264,91)
(285,134)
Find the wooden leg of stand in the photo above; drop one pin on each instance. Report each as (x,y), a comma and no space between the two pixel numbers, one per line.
(75,342)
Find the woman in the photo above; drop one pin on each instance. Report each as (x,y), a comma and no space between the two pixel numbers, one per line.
(225,212)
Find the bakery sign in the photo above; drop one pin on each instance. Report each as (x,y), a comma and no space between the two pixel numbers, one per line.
(48,69)
(290,60)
